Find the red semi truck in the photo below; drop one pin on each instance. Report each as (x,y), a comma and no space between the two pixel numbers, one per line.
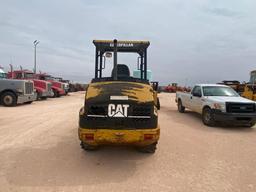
(58,88)
(43,88)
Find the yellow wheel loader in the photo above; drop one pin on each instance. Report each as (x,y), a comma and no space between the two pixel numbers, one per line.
(120,109)
(249,91)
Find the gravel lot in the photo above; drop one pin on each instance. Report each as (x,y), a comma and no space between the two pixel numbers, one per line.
(39,151)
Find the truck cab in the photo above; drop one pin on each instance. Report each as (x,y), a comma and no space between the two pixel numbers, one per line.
(58,88)
(13,92)
(65,82)
(43,88)
(119,109)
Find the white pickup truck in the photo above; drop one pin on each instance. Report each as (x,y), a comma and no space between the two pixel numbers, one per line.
(218,103)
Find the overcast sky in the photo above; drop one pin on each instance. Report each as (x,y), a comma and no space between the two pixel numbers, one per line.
(192,41)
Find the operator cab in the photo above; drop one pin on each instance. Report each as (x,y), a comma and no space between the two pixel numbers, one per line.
(121,72)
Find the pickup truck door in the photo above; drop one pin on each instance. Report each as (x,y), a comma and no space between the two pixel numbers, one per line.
(196,99)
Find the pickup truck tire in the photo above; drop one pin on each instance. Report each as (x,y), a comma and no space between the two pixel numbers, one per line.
(9,99)
(87,147)
(148,149)
(181,108)
(207,117)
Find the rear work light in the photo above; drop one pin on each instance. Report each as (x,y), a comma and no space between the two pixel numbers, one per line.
(148,136)
(89,136)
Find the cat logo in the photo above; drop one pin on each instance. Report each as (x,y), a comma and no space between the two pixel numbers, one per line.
(118,110)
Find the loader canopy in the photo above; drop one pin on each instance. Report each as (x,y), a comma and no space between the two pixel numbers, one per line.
(120,72)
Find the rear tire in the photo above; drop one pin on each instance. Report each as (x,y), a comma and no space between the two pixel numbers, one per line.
(207,117)
(148,149)
(87,147)
(158,104)
(181,108)
(9,99)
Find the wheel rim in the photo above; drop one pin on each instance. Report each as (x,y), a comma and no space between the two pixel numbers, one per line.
(8,100)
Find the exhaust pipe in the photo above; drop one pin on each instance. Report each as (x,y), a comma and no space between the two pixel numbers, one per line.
(11,67)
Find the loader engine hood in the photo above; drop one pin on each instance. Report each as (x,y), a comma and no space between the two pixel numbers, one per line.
(119,105)
(115,90)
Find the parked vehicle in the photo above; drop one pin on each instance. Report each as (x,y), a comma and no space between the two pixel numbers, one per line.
(119,109)
(171,88)
(65,82)
(74,87)
(155,86)
(13,92)
(234,84)
(43,88)
(218,103)
(58,88)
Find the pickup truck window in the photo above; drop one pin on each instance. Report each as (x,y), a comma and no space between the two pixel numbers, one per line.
(219,91)
(197,91)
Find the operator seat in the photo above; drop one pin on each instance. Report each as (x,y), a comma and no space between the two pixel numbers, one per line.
(122,71)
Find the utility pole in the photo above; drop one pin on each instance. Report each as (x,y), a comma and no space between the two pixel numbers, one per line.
(35,44)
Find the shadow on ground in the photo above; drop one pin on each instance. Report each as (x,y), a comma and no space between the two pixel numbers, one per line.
(66,164)
(195,118)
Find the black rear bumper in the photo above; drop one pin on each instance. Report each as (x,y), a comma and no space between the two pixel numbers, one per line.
(238,118)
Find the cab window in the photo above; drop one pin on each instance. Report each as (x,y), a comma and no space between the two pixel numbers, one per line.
(197,91)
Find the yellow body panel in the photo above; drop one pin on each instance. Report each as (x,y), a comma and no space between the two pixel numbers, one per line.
(119,137)
(142,94)
(248,93)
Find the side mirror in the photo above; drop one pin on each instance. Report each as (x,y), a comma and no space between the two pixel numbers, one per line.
(108,54)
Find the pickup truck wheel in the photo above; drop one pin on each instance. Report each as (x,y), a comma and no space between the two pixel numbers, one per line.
(181,109)
(207,117)
(9,99)
(87,147)
(148,149)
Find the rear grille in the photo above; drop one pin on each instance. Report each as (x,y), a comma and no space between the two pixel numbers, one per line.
(49,87)
(139,117)
(29,88)
(141,111)
(97,110)
(240,107)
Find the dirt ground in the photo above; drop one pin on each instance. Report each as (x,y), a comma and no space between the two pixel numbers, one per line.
(39,151)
